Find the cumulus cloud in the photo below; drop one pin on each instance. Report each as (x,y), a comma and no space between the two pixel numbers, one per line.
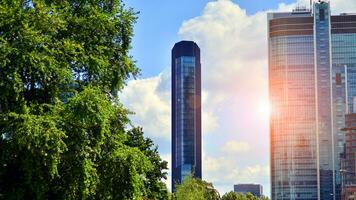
(236,147)
(224,172)
(209,120)
(233,46)
(343,6)
(149,99)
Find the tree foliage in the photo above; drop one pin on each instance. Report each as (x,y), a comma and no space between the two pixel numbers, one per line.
(63,133)
(195,189)
(239,196)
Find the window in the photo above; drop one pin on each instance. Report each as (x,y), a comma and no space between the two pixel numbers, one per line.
(338,79)
(322,14)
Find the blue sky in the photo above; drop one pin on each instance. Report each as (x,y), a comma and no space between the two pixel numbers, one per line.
(158,24)
(232,36)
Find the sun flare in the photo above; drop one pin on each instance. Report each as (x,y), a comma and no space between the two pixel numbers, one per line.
(265,109)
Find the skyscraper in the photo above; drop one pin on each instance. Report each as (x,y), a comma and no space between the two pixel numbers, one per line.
(186,111)
(312,79)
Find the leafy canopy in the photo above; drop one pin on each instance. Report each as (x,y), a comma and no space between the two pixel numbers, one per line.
(239,196)
(195,189)
(63,131)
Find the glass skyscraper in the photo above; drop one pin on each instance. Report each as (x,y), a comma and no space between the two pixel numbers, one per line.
(186,111)
(312,81)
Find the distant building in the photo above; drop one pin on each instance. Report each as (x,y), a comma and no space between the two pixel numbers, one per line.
(186,112)
(255,189)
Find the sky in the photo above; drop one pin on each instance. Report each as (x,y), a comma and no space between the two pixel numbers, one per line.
(232,35)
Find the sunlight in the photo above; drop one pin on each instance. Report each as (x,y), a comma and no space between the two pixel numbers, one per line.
(265,109)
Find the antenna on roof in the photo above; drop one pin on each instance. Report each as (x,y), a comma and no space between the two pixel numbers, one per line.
(300,9)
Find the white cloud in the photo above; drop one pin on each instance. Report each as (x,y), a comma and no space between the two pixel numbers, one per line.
(236,147)
(250,174)
(150,100)
(224,172)
(233,46)
(209,120)
(214,165)
(343,6)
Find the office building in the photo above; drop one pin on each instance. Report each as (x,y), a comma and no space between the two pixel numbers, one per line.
(312,81)
(255,189)
(186,111)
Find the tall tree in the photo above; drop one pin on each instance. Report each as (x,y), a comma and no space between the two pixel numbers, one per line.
(63,132)
(156,188)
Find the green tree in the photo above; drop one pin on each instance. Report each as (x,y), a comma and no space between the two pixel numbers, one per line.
(195,189)
(156,188)
(63,132)
(231,196)
(238,196)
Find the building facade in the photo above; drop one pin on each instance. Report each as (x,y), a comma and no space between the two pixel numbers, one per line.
(348,167)
(349,192)
(255,189)
(186,112)
(312,56)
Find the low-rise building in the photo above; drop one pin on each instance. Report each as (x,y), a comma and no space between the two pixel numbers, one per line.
(255,189)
